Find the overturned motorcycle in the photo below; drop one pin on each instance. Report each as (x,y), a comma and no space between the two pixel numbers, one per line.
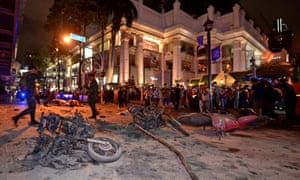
(70,141)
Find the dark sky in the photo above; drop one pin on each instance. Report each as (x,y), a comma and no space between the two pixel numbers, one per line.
(32,33)
(263,12)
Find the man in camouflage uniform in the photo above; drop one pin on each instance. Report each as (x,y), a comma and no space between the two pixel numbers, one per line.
(30,80)
(93,94)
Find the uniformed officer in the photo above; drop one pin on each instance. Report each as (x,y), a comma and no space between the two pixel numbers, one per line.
(30,81)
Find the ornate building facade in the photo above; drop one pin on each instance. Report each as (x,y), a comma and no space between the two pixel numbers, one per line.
(162,47)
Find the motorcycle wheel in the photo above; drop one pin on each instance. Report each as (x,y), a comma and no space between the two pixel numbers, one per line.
(105,153)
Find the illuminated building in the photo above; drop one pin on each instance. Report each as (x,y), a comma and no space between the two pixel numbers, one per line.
(280,37)
(162,47)
(10,11)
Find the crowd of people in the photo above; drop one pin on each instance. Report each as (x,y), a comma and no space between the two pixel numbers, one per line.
(261,95)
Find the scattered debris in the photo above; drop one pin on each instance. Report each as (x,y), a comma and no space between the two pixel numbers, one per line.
(150,117)
(70,143)
(70,102)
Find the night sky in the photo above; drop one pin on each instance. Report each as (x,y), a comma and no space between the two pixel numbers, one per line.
(263,12)
(33,36)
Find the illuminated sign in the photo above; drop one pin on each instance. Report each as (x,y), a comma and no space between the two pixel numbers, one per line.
(77,37)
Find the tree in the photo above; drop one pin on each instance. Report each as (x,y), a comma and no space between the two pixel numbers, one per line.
(75,15)
(71,16)
(41,59)
(117,10)
(274,70)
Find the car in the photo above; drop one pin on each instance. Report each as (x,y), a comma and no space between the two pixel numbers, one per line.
(64,95)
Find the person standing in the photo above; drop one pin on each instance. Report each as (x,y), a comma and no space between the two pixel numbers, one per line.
(177,97)
(216,95)
(48,97)
(296,85)
(257,95)
(29,86)
(236,93)
(166,93)
(122,97)
(147,96)
(289,100)
(93,94)
(156,96)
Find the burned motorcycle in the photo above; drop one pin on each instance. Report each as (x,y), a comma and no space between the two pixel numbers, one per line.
(151,117)
(72,136)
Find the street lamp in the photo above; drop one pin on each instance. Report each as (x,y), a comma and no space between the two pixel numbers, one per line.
(82,40)
(208,25)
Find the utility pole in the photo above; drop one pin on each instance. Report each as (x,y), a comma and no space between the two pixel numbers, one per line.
(208,25)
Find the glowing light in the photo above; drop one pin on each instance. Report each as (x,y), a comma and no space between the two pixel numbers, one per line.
(153,78)
(151,39)
(88,52)
(67,39)
(115,78)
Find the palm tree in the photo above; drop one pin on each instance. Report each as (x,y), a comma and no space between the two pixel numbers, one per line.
(71,16)
(116,11)
(75,15)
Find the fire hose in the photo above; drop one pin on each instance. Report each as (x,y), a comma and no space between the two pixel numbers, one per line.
(173,149)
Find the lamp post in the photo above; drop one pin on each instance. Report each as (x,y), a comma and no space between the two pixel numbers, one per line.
(58,69)
(80,64)
(208,25)
(82,40)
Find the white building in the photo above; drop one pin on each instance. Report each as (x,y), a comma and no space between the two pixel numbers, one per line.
(162,47)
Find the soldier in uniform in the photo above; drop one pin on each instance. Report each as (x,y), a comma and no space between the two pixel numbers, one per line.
(29,81)
(93,94)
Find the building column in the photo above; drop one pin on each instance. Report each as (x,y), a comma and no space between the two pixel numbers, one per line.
(243,63)
(68,75)
(176,71)
(195,62)
(124,58)
(236,48)
(162,48)
(139,58)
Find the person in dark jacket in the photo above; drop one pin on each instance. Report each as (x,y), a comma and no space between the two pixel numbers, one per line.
(177,97)
(93,94)
(257,95)
(289,99)
(122,93)
(30,81)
